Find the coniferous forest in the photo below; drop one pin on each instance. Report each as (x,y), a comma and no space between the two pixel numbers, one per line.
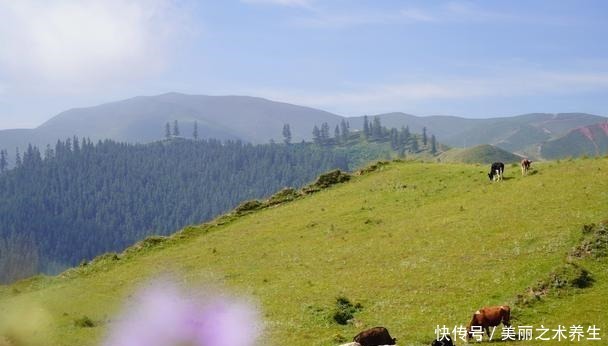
(78,199)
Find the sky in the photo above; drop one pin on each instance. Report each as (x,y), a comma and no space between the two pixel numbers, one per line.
(468,58)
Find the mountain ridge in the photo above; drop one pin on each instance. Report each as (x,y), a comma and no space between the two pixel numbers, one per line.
(591,140)
(142,119)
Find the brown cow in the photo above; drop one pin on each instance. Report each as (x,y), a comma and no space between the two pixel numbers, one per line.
(488,317)
(374,337)
(525,166)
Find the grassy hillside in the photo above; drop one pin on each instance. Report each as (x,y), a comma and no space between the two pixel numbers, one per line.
(479,154)
(417,244)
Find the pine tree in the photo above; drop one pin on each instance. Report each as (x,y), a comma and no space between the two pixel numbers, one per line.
(366,129)
(3,161)
(316,135)
(424,139)
(376,128)
(337,134)
(325,132)
(48,153)
(31,157)
(167,130)
(175,128)
(433,145)
(394,138)
(414,145)
(344,130)
(286,134)
(195,131)
(17,158)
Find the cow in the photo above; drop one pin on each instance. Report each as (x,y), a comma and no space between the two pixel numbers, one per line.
(445,341)
(525,166)
(487,317)
(496,171)
(374,337)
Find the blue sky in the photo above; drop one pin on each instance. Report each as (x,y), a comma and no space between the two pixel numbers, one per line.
(466,58)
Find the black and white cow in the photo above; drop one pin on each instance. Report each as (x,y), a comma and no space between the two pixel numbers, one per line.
(496,171)
(444,341)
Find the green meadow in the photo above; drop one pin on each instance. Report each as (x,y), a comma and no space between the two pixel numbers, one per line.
(416,244)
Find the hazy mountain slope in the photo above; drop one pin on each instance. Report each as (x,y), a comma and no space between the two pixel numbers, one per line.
(418,245)
(140,119)
(13,138)
(484,153)
(143,119)
(516,133)
(589,140)
(510,133)
(441,126)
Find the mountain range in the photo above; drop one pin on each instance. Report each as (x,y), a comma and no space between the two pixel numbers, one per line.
(142,119)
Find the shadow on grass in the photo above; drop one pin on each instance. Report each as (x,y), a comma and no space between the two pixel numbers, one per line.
(503,178)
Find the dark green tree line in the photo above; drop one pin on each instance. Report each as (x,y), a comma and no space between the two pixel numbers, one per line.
(401,140)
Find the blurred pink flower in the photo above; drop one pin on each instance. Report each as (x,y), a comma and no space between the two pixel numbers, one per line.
(164,316)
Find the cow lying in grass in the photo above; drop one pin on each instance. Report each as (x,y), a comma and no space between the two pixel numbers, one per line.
(525,166)
(374,337)
(488,317)
(496,171)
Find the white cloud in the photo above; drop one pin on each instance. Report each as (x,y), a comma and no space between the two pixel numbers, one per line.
(293,3)
(82,44)
(323,18)
(452,12)
(320,16)
(416,14)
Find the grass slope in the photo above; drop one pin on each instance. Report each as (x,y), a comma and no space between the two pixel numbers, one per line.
(417,244)
(479,154)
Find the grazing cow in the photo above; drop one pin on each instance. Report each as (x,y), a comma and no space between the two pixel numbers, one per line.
(496,171)
(445,341)
(374,337)
(525,166)
(488,317)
